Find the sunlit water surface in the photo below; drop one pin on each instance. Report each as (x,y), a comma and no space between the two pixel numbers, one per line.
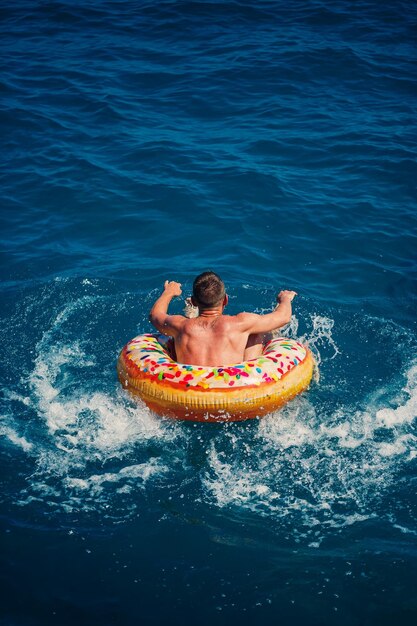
(274,144)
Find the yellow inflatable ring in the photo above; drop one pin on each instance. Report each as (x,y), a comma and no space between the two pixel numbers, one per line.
(200,393)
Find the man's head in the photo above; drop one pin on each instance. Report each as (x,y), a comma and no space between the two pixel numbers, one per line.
(208,291)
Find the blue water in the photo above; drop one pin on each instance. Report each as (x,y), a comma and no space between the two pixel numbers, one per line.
(273,142)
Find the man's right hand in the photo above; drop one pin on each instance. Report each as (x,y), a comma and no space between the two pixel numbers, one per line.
(172,288)
(286,295)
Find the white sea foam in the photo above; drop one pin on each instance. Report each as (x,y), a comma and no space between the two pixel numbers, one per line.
(406,412)
(330,468)
(81,427)
(139,473)
(94,418)
(15,438)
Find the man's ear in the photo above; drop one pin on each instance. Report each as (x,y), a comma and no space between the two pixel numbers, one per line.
(225,300)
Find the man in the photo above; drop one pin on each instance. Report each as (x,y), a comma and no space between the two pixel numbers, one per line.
(212,338)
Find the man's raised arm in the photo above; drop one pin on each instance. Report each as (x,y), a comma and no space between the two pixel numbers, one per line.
(158,316)
(271,321)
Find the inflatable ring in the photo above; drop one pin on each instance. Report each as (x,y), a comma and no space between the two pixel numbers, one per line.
(201,393)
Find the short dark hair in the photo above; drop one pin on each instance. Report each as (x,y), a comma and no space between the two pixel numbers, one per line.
(208,289)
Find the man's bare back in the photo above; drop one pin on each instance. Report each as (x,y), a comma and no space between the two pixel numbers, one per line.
(212,338)
(211,341)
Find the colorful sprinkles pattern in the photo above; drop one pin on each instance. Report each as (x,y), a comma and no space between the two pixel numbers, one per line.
(148,355)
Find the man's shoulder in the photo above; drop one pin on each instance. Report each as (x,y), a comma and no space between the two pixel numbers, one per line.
(243,321)
(176,321)
(239,318)
(244,316)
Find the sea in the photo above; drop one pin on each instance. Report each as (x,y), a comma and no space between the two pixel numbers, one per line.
(273,142)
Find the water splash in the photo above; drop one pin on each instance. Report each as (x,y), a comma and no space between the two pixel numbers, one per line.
(84,437)
(322,463)
(319,335)
(313,470)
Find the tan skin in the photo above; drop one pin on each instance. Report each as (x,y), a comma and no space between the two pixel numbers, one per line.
(215,339)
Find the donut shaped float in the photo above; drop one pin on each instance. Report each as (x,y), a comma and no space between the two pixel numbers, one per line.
(214,394)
